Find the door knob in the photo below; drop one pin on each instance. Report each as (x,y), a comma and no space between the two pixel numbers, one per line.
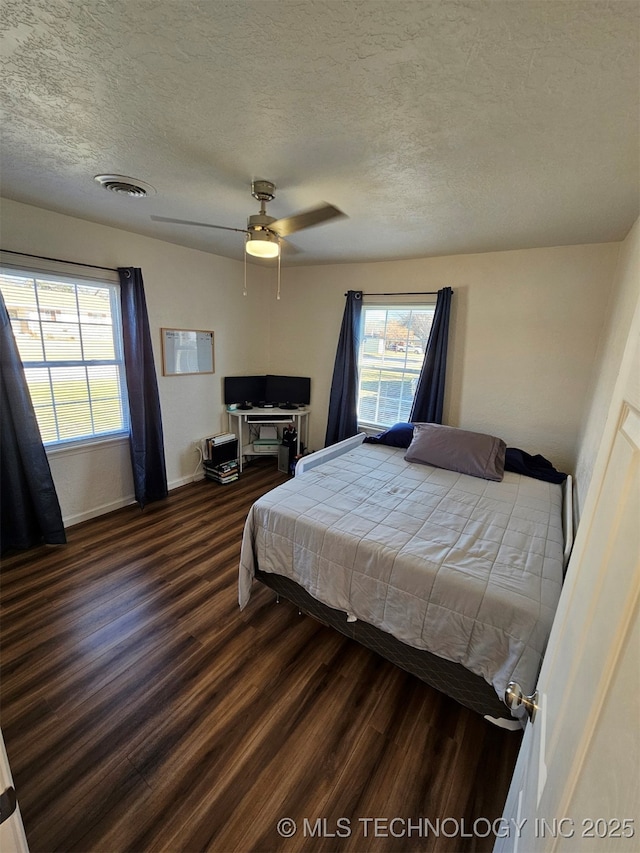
(514,698)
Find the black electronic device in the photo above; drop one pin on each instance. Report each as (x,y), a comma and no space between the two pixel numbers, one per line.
(289,440)
(244,390)
(221,453)
(288,391)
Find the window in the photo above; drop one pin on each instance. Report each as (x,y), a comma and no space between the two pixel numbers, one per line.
(392,350)
(69,336)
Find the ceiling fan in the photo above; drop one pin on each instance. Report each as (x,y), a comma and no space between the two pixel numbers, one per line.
(264,233)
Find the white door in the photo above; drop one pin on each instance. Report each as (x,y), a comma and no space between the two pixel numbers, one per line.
(576,785)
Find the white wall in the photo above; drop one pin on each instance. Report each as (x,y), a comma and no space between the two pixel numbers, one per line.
(184,289)
(618,316)
(523,337)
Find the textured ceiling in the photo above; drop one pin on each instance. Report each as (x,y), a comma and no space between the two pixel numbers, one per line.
(437,127)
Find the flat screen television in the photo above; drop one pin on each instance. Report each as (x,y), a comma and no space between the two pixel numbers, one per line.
(245,390)
(288,391)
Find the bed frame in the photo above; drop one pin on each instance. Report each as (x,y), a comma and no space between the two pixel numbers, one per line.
(449,678)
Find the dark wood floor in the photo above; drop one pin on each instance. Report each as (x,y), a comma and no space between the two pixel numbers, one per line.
(142,711)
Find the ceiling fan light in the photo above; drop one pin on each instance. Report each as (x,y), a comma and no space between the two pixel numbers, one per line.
(263,244)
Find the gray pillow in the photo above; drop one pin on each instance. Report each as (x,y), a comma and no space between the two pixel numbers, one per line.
(473,453)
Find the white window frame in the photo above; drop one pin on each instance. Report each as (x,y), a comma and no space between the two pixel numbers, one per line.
(394,354)
(84,439)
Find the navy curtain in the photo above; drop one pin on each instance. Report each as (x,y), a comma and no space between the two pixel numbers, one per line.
(343,399)
(30,511)
(146,438)
(428,402)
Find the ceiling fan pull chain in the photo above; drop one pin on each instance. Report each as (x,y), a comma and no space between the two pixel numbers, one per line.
(279,256)
(244,291)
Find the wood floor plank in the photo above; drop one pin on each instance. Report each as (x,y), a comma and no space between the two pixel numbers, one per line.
(323,744)
(143,711)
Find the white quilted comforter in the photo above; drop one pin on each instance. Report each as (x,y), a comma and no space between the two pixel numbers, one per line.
(468,569)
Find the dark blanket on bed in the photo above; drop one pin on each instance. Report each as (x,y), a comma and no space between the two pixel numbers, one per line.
(536,466)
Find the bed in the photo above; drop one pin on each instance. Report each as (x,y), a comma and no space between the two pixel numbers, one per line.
(452,576)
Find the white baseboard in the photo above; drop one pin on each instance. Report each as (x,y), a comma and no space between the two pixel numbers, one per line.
(94,512)
(183,481)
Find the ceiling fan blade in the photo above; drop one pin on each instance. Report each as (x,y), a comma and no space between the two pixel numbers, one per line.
(203,224)
(313,216)
(288,248)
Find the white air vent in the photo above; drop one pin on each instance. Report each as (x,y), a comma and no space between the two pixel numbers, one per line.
(125,186)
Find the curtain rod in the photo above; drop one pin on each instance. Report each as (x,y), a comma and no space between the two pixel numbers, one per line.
(407,293)
(58,260)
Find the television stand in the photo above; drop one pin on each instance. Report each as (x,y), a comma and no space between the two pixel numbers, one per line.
(288,406)
(241,421)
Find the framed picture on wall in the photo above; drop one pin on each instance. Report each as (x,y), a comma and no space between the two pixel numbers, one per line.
(186,351)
